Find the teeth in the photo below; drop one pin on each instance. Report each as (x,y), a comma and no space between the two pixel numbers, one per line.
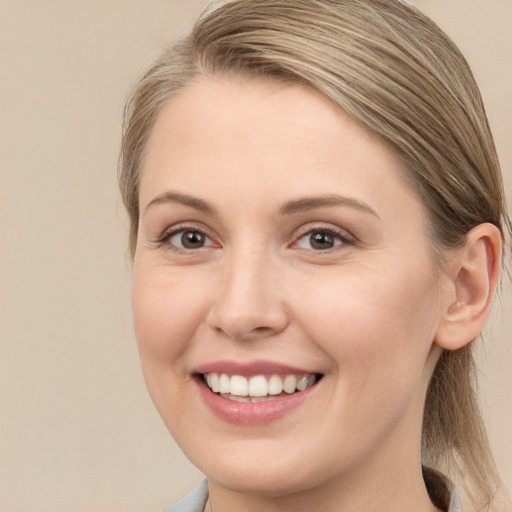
(290,384)
(235,398)
(245,399)
(224,383)
(256,399)
(302,383)
(239,386)
(258,387)
(214,382)
(275,385)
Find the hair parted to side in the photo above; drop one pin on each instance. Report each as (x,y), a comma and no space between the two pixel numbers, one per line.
(397,74)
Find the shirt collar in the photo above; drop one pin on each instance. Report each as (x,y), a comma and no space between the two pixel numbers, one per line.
(441,491)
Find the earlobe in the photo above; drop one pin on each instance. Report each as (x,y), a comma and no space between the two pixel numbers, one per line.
(475,271)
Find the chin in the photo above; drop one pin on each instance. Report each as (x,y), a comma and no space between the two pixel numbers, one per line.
(259,468)
(267,481)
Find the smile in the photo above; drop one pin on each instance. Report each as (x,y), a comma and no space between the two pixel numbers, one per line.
(257,388)
(255,393)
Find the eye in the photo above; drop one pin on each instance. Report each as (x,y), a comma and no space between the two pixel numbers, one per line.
(188,239)
(321,239)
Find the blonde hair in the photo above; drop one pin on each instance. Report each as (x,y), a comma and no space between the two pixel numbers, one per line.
(396,73)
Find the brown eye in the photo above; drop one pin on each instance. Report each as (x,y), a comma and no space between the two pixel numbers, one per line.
(321,240)
(190,239)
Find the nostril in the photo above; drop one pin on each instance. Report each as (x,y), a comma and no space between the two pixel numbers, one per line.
(241,332)
(261,329)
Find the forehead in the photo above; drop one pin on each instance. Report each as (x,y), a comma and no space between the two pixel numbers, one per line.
(232,134)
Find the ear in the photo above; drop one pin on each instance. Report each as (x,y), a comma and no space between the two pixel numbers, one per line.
(474,276)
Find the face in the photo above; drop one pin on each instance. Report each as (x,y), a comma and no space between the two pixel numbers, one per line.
(284,293)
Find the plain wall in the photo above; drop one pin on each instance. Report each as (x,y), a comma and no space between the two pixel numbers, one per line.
(78,432)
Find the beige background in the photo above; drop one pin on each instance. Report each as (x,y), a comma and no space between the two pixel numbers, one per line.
(78,431)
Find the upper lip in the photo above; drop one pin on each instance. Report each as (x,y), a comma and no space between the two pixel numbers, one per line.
(248,369)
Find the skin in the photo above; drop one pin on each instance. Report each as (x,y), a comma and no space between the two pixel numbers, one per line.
(364,313)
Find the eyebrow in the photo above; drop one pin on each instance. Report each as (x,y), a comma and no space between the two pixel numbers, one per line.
(310,203)
(177,197)
(296,206)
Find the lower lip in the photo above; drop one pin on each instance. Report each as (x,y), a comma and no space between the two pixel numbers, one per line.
(246,413)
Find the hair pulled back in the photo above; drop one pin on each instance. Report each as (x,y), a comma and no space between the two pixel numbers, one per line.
(397,74)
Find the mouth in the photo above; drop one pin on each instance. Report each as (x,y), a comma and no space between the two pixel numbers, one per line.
(258,388)
(255,393)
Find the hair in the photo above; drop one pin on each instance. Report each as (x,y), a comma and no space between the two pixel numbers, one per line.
(397,74)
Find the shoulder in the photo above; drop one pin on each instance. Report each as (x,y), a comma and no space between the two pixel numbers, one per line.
(194,501)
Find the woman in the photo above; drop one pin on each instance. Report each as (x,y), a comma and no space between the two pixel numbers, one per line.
(317,222)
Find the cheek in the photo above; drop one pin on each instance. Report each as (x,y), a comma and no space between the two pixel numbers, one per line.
(168,309)
(377,327)
(377,333)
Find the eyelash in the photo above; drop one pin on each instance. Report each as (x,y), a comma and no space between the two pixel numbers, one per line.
(166,236)
(340,235)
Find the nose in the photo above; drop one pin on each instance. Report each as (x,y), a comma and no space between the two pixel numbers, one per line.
(249,303)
